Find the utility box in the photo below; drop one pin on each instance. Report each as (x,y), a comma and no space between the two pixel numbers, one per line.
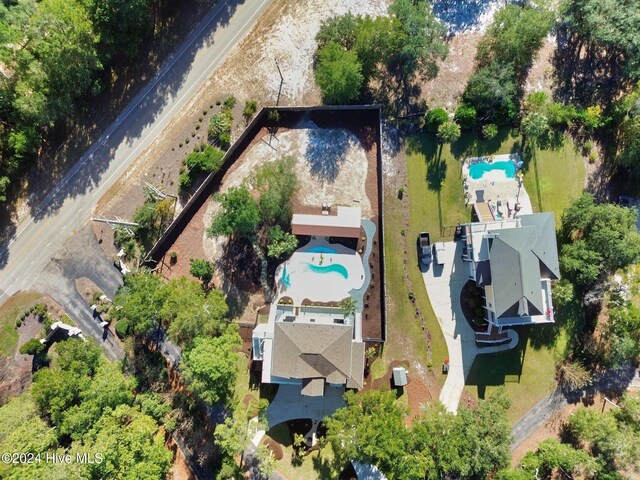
(400,376)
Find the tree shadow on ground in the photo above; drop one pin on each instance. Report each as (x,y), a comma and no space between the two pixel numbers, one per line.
(471,144)
(553,140)
(326,152)
(425,144)
(436,173)
(323,468)
(462,15)
(584,73)
(494,369)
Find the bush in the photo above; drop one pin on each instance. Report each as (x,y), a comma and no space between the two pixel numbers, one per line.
(205,159)
(434,118)
(466,116)
(123,328)
(220,128)
(230,102)
(33,347)
(250,109)
(560,115)
(202,270)
(273,116)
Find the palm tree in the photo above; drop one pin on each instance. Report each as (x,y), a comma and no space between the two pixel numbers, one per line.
(348,306)
(448,132)
(534,126)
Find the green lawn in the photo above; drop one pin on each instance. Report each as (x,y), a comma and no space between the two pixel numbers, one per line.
(561,178)
(405,336)
(429,178)
(528,371)
(9,312)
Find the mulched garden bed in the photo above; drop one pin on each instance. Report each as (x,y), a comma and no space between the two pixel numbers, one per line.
(472,305)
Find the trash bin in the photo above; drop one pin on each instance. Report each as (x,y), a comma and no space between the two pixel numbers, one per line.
(445,367)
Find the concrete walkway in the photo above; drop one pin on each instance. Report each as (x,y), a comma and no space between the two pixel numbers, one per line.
(444,284)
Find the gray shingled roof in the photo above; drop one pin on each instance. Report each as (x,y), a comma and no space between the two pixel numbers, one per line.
(546,246)
(519,258)
(309,351)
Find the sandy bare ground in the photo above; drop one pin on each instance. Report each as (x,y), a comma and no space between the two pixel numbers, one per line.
(287,32)
(454,72)
(310,146)
(540,77)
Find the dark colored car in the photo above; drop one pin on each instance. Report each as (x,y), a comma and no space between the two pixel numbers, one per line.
(424,248)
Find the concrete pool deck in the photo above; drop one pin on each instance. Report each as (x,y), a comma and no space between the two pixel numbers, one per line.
(494,185)
(319,275)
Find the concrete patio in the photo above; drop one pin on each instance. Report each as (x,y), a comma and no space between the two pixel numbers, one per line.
(444,284)
(290,404)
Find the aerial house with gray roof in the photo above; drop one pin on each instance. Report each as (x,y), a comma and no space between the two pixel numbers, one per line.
(514,261)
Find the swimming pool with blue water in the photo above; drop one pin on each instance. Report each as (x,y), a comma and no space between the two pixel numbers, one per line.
(477,170)
(332,268)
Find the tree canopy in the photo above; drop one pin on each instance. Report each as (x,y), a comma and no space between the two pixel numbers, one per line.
(209,366)
(52,53)
(277,182)
(339,74)
(188,311)
(515,36)
(492,91)
(84,405)
(354,50)
(239,214)
(613,436)
(439,445)
(597,237)
(611,25)
(139,300)
(180,305)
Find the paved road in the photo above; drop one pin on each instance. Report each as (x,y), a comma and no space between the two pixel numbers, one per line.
(611,381)
(67,208)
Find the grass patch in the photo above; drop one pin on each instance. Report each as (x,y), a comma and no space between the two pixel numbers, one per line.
(561,177)
(527,372)
(245,384)
(378,369)
(405,337)
(9,312)
(312,466)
